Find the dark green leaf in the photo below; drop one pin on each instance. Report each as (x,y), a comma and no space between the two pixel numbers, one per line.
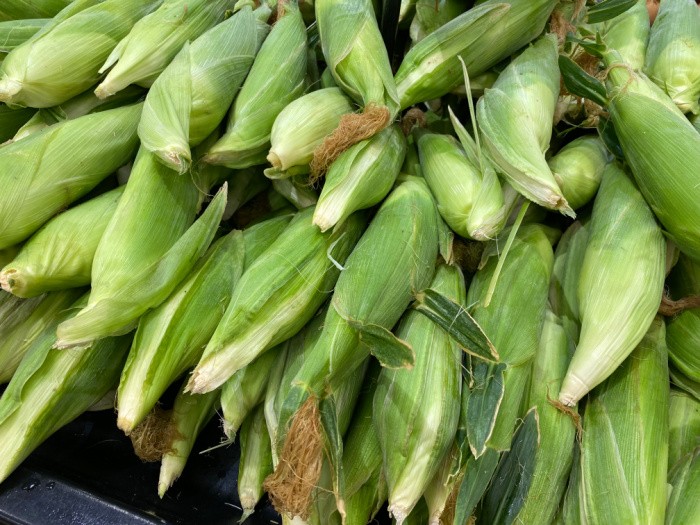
(608,9)
(476,479)
(484,401)
(391,351)
(580,83)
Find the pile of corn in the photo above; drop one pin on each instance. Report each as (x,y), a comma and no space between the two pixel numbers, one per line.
(441,256)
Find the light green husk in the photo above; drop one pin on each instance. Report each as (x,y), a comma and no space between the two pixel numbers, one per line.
(663,150)
(620,285)
(360,177)
(14,33)
(81,153)
(255,463)
(189,416)
(14,311)
(62,59)
(60,254)
(683,330)
(483,36)
(296,191)
(684,504)
(191,97)
(673,54)
(415,412)
(154,41)
(683,426)
(276,296)
(625,439)
(355,52)
(275,80)
(431,15)
(150,245)
(12,120)
(50,389)
(515,117)
(301,126)
(578,168)
(21,9)
(628,34)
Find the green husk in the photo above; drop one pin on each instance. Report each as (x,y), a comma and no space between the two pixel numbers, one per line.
(628,34)
(150,245)
(255,463)
(276,296)
(51,388)
(80,152)
(684,505)
(275,80)
(14,33)
(674,53)
(60,254)
(296,191)
(683,329)
(683,427)
(14,311)
(12,120)
(154,41)
(191,97)
(62,59)
(625,439)
(430,16)
(415,412)
(21,9)
(679,380)
(620,284)
(515,117)
(243,186)
(578,169)
(483,36)
(360,177)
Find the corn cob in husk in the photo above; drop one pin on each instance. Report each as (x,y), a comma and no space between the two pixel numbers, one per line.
(683,329)
(191,97)
(62,59)
(14,33)
(154,41)
(625,439)
(276,296)
(683,426)
(51,388)
(21,9)
(256,461)
(150,245)
(628,34)
(81,153)
(625,258)
(431,16)
(683,504)
(59,255)
(275,80)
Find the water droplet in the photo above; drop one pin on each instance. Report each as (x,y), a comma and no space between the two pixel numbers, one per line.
(31,484)
(50,485)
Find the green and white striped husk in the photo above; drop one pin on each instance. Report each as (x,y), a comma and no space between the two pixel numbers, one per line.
(12,120)
(62,59)
(189,416)
(683,504)
(151,244)
(673,54)
(51,388)
(191,97)
(276,296)
(683,330)
(255,463)
(515,117)
(60,254)
(360,177)
(21,9)
(483,36)
(14,33)
(663,150)
(430,16)
(81,153)
(154,41)
(355,52)
(415,412)
(27,324)
(628,34)
(625,439)
(170,339)
(275,80)
(469,200)
(578,168)
(620,284)
(683,426)
(301,126)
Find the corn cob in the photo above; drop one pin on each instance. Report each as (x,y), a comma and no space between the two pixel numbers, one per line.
(62,60)
(21,9)
(683,330)
(625,439)
(483,36)
(60,255)
(516,117)
(415,410)
(430,16)
(578,168)
(191,97)
(300,127)
(255,463)
(51,388)
(11,120)
(276,297)
(628,34)
(674,53)
(146,250)
(360,177)
(81,153)
(155,40)
(16,32)
(683,427)
(683,504)
(189,416)
(659,143)
(632,273)
(272,84)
